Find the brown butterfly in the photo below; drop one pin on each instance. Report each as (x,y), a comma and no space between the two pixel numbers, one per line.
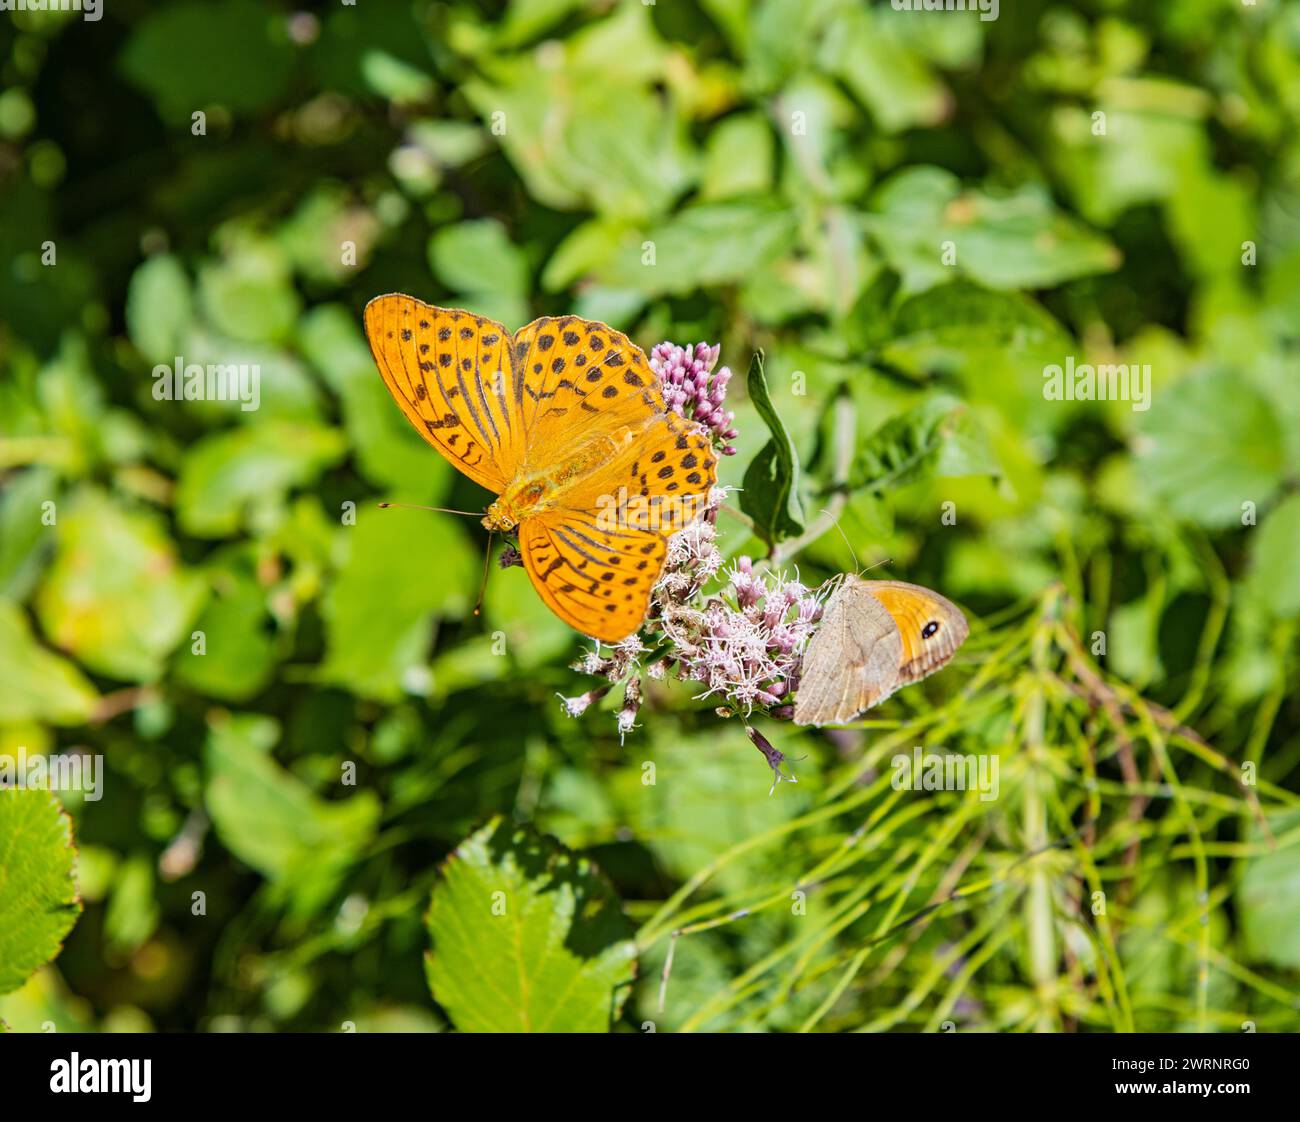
(876,636)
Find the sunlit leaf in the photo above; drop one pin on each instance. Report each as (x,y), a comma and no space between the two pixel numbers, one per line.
(402,568)
(38,891)
(237,655)
(526,937)
(159,308)
(230,472)
(1269,899)
(928,225)
(36,684)
(936,439)
(1274,575)
(116,597)
(1212,444)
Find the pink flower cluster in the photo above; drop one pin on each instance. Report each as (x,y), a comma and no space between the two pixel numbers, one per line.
(693,390)
(748,651)
(744,644)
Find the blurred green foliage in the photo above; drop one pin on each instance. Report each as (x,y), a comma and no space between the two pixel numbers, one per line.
(912,215)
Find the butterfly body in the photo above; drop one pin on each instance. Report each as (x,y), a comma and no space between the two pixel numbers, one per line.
(876,636)
(529,495)
(559,420)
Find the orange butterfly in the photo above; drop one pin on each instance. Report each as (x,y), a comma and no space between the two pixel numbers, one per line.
(562,421)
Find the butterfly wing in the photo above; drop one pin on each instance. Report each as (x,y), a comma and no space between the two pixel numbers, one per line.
(931,627)
(875,638)
(852,660)
(595,559)
(452,374)
(579,379)
(500,406)
(597,580)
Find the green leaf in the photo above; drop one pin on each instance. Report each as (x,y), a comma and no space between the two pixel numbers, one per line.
(159,308)
(586,248)
(988,340)
(226,474)
(1212,443)
(24,537)
(192,55)
(116,596)
(249,295)
(478,257)
(524,19)
(272,822)
(526,937)
(678,817)
(1134,639)
(708,244)
(963,317)
(311,236)
(262,382)
(1274,577)
(935,439)
(132,912)
(1004,241)
(869,323)
(238,654)
(401,568)
(739,157)
(782,37)
(867,49)
(38,890)
(1269,899)
(394,79)
(617,146)
(35,684)
(449,143)
(771,487)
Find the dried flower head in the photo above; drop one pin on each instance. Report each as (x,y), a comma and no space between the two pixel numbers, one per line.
(748,648)
(577,706)
(776,759)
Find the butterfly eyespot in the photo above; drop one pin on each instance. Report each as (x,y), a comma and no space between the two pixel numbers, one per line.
(930,629)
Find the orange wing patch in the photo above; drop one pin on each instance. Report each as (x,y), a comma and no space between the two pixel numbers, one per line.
(577,375)
(596,559)
(931,627)
(598,581)
(658,482)
(450,372)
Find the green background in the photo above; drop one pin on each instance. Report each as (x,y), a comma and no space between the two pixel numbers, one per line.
(912,215)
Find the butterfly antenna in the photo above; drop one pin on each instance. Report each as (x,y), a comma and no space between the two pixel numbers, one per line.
(482,588)
(856,564)
(852,553)
(439,509)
